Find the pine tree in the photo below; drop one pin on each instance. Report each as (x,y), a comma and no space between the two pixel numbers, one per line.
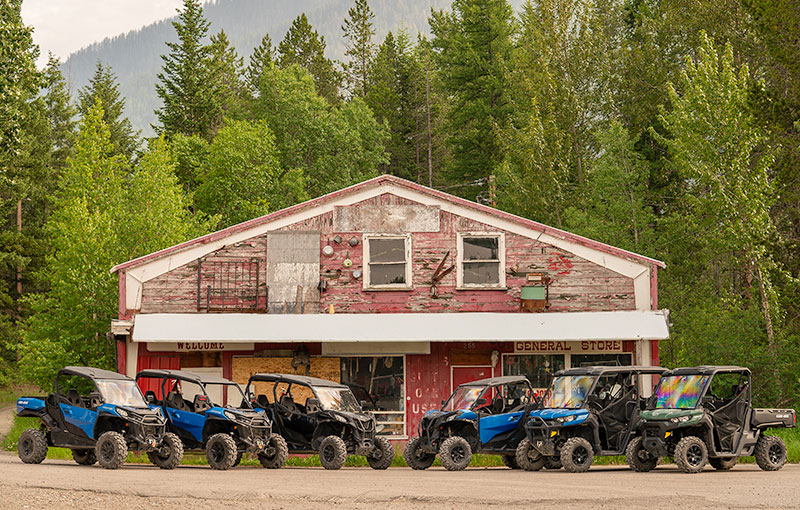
(358,34)
(226,70)
(473,46)
(186,87)
(263,58)
(302,45)
(60,112)
(103,88)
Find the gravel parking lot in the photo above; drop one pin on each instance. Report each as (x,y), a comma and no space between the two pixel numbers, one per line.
(62,484)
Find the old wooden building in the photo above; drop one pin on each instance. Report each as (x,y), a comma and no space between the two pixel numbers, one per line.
(398,290)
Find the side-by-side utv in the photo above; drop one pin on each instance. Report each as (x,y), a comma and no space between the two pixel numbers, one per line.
(483,416)
(223,432)
(99,415)
(330,422)
(704,414)
(586,412)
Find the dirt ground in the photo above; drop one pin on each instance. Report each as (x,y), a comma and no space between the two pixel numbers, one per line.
(6,420)
(62,484)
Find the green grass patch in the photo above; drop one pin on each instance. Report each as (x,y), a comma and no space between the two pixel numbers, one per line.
(10,394)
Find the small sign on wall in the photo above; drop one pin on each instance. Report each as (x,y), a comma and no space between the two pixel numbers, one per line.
(199,346)
(582,346)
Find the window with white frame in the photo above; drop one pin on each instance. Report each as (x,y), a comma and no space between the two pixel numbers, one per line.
(378,382)
(481,261)
(387,262)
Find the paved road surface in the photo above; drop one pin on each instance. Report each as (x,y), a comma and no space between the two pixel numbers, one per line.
(63,484)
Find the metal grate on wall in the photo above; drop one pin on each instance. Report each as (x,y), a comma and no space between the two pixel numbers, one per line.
(230,285)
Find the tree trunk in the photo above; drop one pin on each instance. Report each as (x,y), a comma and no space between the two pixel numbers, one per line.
(19,268)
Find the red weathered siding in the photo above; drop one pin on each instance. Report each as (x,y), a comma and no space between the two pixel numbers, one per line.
(579,285)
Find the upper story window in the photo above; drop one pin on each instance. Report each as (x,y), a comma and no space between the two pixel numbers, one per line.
(387,262)
(481,261)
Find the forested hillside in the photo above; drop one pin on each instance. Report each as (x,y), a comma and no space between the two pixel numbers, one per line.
(667,127)
(134,57)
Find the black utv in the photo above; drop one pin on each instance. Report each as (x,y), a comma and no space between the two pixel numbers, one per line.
(330,422)
(586,412)
(99,415)
(223,432)
(704,414)
(484,416)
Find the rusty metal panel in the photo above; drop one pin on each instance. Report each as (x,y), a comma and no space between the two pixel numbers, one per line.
(386,218)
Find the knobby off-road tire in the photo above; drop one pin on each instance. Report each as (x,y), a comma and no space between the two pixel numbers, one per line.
(723,464)
(552,463)
(691,454)
(383,455)
(770,453)
(275,453)
(174,453)
(221,451)
(639,459)
(332,452)
(415,457)
(32,446)
(455,453)
(111,450)
(510,461)
(238,459)
(577,455)
(528,457)
(84,457)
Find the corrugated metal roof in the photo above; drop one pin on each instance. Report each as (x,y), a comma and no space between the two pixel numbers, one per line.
(401,327)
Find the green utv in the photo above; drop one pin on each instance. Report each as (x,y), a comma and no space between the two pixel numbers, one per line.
(704,414)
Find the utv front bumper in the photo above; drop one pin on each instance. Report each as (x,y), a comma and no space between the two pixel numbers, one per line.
(654,437)
(542,435)
(252,433)
(144,433)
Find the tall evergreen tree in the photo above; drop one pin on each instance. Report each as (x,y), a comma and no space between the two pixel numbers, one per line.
(473,45)
(262,58)
(358,33)
(226,75)
(60,112)
(302,45)
(103,88)
(186,87)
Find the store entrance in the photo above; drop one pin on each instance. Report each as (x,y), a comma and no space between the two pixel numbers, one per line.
(465,374)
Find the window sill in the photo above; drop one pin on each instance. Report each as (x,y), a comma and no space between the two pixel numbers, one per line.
(388,289)
(481,288)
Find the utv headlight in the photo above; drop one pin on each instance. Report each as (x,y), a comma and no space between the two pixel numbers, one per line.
(231,416)
(680,419)
(566,419)
(122,412)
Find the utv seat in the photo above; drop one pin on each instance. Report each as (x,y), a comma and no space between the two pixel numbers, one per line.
(175,401)
(74,397)
(262,401)
(313,406)
(150,397)
(201,404)
(288,406)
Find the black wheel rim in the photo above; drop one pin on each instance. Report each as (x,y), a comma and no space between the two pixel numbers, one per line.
(107,451)
(419,454)
(580,456)
(694,455)
(642,455)
(532,454)
(457,454)
(775,453)
(217,452)
(26,445)
(328,453)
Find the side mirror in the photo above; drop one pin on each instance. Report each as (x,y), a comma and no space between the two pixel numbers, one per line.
(480,402)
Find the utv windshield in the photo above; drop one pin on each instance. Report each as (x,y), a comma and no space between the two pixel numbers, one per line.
(463,398)
(121,393)
(680,391)
(568,392)
(337,399)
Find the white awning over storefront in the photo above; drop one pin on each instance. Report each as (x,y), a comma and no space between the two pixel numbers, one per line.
(401,327)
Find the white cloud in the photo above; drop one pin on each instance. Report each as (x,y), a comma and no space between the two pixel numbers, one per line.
(65,26)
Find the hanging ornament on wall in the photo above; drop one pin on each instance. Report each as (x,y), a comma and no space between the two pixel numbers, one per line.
(347,262)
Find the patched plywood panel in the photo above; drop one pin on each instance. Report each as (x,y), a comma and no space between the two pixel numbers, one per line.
(243,368)
(386,218)
(292,261)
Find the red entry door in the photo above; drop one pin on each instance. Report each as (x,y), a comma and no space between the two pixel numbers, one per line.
(463,375)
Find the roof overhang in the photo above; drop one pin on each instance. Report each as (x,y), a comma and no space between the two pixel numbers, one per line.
(401,327)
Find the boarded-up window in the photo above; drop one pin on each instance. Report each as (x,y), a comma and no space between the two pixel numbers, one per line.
(387,262)
(480,259)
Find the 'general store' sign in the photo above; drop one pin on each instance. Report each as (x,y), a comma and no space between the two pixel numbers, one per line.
(549,346)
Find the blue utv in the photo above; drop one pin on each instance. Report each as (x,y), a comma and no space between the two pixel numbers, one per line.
(586,412)
(223,432)
(99,415)
(483,416)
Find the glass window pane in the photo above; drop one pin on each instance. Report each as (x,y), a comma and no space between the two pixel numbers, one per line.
(586,360)
(538,368)
(387,274)
(377,382)
(387,250)
(485,273)
(481,248)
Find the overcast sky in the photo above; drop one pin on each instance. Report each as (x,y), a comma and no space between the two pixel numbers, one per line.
(65,26)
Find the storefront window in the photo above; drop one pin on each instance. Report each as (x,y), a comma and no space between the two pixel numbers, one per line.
(378,383)
(586,360)
(538,368)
